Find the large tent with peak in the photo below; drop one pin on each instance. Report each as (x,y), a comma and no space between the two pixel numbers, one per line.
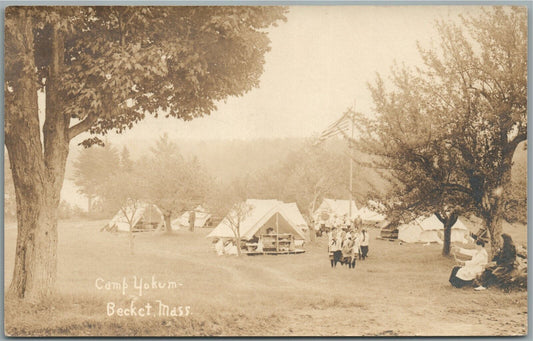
(296,216)
(261,217)
(333,212)
(430,230)
(202,218)
(141,217)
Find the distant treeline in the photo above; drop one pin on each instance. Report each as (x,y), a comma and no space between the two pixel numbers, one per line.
(270,164)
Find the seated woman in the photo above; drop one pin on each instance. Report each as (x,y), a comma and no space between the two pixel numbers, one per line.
(502,264)
(465,275)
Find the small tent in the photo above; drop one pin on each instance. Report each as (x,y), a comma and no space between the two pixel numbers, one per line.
(202,219)
(142,216)
(260,217)
(334,212)
(430,230)
(369,217)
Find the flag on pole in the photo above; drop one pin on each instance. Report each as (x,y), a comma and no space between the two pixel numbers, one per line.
(342,126)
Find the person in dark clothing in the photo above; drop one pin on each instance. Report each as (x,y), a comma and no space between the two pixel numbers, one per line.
(507,255)
(502,264)
(364,244)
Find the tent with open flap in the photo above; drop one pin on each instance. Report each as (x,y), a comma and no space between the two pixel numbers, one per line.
(260,217)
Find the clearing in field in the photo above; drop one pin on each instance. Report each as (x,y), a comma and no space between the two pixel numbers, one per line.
(398,290)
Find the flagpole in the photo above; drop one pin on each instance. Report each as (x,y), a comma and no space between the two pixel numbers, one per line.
(351,163)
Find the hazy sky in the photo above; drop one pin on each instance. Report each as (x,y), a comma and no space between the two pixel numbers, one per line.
(320,63)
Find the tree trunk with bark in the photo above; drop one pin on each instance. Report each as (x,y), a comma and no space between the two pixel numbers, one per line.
(448,220)
(448,224)
(312,208)
(494,203)
(37,174)
(168,223)
(192,219)
(238,239)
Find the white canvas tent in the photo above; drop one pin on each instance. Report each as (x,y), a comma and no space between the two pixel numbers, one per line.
(201,219)
(295,216)
(430,230)
(143,217)
(332,212)
(370,217)
(261,215)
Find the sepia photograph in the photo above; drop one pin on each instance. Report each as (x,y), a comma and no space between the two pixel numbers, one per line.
(248,171)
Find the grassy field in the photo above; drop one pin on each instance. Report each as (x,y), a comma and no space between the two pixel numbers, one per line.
(399,290)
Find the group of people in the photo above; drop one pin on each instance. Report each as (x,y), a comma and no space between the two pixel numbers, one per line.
(345,246)
(478,272)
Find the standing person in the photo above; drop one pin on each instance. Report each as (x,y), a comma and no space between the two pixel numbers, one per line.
(359,235)
(358,222)
(347,252)
(338,234)
(355,248)
(364,244)
(334,250)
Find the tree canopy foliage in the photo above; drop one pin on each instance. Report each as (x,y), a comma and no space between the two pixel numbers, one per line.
(171,181)
(447,131)
(105,68)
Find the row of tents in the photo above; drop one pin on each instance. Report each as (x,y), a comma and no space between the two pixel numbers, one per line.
(424,229)
(145,216)
(274,216)
(333,212)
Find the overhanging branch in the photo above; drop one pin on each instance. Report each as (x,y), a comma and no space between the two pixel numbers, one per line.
(82,126)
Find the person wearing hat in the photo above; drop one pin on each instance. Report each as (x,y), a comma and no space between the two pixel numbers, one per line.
(364,244)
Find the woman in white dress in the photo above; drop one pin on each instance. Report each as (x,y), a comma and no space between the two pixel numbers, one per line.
(465,275)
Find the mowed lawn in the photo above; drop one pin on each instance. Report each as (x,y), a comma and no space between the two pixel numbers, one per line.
(399,290)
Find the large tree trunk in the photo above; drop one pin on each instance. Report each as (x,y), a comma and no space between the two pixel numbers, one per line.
(37,174)
(494,203)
